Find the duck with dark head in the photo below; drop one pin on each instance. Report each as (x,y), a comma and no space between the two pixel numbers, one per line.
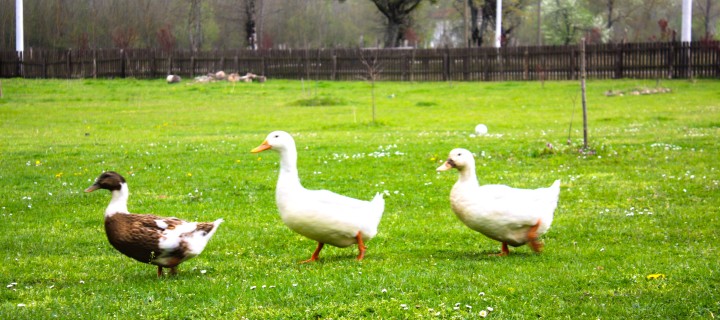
(164,242)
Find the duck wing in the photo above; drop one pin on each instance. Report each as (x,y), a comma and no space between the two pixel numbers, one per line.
(522,207)
(147,237)
(328,217)
(329,199)
(137,235)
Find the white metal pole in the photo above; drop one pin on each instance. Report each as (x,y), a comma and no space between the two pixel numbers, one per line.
(498,23)
(19,32)
(686,35)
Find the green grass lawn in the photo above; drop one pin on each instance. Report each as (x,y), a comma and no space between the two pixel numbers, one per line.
(644,201)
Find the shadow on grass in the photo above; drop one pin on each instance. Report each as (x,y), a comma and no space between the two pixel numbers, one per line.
(356,125)
(322,101)
(476,255)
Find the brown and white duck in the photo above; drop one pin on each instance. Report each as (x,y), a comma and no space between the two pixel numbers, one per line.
(164,242)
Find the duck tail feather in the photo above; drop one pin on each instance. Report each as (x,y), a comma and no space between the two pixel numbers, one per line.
(378,204)
(216,224)
(556,185)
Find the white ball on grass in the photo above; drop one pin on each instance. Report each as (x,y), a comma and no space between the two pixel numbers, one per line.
(481,129)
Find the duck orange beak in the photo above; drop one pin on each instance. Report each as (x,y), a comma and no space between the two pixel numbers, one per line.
(445,166)
(92,188)
(262,147)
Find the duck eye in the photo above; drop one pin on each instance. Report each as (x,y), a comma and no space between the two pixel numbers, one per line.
(459,154)
(277,136)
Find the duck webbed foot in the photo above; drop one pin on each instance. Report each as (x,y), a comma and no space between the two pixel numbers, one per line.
(505,251)
(315,254)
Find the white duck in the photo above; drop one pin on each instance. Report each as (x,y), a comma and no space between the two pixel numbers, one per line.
(509,215)
(164,242)
(320,215)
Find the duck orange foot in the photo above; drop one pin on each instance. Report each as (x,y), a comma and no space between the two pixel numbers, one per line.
(316,254)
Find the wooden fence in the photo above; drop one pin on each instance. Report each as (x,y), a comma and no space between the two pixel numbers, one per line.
(604,61)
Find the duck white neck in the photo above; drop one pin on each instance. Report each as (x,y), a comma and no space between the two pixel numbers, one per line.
(118,203)
(468,175)
(288,169)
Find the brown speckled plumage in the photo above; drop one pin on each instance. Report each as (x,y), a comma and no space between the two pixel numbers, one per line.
(139,236)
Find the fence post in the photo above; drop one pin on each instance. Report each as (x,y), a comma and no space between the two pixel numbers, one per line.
(18,66)
(688,55)
(501,65)
(466,67)
(405,66)
(2,60)
(446,64)
(68,63)
(526,64)
(485,65)
(45,66)
(619,60)
(671,60)
(170,63)
(192,65)
(412,65)
(94,68)
(573,63)
(122,63)
(236,64)
(333,76)
(222,63)
(152,63)
(717,58)
(263,61)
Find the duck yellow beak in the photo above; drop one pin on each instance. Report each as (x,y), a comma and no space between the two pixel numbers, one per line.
(445,166)
(262,147)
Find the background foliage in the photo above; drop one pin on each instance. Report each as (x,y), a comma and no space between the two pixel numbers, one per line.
(96,24)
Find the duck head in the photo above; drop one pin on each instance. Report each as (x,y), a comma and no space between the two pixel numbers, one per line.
(458,159)
(276,140)
(110,180)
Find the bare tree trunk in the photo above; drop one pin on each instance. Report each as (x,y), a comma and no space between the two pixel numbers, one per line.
(475,36)
(250,22)
(484,22)
(260,20)
(373,70)
(466,23)
(94,20)
(539,22)
(610,7)
(59,26)
(708,16)
(398,14)
(195,25)
(392,34)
